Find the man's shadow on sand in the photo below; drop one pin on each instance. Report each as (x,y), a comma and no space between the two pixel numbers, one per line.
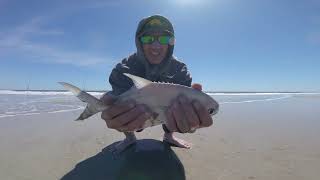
(148,159)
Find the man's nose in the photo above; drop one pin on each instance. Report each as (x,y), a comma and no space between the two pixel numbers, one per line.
(156,44)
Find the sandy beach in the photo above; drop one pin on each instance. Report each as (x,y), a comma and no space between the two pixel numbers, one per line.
(262,140)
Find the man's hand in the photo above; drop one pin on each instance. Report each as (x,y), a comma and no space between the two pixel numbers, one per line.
(187,116)
(124,116)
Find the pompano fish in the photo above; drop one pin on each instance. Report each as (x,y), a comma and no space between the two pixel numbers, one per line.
(156,95)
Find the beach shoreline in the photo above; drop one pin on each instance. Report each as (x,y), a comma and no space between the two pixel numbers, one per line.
(257,140)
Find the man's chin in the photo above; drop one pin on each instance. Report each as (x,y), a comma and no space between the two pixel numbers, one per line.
(155,61)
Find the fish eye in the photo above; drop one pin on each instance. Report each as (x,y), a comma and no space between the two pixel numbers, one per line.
(211,110)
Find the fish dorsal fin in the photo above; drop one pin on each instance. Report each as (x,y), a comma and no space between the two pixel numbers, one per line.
(139,82)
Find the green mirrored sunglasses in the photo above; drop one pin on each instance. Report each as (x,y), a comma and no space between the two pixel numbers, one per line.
(163,40)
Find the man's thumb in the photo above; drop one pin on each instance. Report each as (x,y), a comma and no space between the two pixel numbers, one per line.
(108,98)
(197,86)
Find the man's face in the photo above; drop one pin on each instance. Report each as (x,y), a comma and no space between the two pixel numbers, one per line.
(155,52)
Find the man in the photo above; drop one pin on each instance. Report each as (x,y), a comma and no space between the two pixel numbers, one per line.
(154,61)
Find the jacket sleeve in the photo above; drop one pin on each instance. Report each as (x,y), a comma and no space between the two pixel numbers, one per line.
(183,76)
(178,74)
(119,82)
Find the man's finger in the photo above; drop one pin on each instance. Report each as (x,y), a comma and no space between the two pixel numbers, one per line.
(203,114)
(171,123)
(180,118)
(122,119)
(117,109)
(197,86)
(137,122)
(108,99)
(190,113)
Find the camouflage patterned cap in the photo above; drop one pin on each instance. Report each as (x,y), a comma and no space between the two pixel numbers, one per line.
(157,23)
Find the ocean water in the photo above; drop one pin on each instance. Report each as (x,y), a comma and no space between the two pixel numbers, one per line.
(18,103)
(23,103)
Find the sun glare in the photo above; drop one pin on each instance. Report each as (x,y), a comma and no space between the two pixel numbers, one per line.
(189,2)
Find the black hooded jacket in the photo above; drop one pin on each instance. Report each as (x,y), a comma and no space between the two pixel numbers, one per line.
(169,70)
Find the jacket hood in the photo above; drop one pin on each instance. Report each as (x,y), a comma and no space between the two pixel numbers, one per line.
(154,23)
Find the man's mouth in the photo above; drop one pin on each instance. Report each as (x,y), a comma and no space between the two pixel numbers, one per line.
(155,53)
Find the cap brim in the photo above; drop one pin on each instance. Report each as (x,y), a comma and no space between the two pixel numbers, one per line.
(155,31)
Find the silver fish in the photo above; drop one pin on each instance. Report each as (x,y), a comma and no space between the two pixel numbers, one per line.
(156,95)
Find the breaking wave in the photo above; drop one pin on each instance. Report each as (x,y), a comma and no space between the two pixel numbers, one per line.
(25,103)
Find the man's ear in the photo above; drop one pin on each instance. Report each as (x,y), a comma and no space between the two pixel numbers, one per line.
(172,41)
(197,86)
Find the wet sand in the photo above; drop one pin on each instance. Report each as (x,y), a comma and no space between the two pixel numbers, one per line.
(258,140)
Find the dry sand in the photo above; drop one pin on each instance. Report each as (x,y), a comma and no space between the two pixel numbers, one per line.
(258,140)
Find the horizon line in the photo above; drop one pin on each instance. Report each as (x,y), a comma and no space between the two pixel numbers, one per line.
(209,91)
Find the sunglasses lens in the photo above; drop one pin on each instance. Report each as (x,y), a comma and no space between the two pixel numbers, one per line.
(164,39)
(147,39)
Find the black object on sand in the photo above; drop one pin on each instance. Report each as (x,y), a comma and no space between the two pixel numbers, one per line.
(147,159)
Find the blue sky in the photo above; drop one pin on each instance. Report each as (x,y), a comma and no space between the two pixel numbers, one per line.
(228,45)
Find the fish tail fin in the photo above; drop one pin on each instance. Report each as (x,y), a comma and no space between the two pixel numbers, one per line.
(94,105)
(88,112)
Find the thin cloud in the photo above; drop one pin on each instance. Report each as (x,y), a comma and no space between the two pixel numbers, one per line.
(19,41)
(3,3)
(314,37)
(45,54)
(103,4)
